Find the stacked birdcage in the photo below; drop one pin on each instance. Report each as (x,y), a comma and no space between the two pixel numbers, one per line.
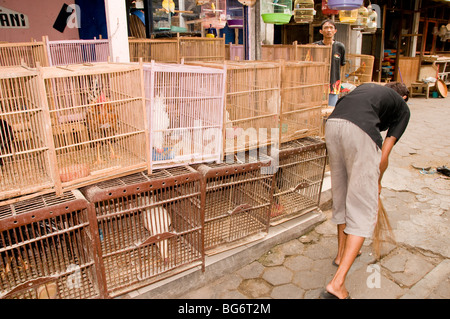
(97,115)
(358,68)
(159,50)
(303,95)
(238,196)
(297,52)
(46,250)
(272,52)
(149,226)
(26,145)
(77,51)
(298,179)
(29,53)
(201,49)
(185,113)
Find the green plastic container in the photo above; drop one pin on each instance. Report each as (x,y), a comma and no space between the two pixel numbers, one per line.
(276,18)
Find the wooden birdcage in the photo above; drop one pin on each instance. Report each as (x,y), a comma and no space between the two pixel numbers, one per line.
(150,226)
(234,52)
(214,13)
(77,51)
(26,164)
(159,50)
(97,115)
(238,195)
(29,53)
(297,52)
(201,49)
(304,92)
(185,113)
(298,179)
(252,104)
(358,68)
(46,250)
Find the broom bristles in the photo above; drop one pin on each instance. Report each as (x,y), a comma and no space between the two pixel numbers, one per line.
(383,231)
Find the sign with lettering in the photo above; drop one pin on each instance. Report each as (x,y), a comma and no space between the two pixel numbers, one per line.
(10,19)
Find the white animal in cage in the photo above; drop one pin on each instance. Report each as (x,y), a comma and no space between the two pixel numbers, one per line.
(160,123)
(157,221)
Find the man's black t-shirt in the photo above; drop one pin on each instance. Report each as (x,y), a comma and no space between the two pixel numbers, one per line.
(374,108)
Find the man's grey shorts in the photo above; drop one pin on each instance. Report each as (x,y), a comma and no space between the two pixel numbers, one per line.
(355,168)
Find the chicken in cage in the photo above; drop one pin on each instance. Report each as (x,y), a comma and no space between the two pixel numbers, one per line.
(185,108)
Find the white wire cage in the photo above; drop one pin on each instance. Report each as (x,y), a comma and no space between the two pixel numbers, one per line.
(185,113)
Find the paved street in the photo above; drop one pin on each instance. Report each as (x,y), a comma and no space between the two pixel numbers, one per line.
(417,199)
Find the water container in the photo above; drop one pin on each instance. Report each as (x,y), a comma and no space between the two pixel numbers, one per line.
(344,4)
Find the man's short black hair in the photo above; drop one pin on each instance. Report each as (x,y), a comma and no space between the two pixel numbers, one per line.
(329,21)
(400,88)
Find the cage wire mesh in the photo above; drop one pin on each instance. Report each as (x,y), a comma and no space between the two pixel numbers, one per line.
(24,148)
(77,51)
(238,196)
(298,179)
(150,226)
(98,120)
(46,250)
(185,113)
(304,93)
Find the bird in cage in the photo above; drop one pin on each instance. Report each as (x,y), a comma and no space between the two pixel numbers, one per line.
(160,123)
(102,120)
(359,71)
(7,136)
(168,5)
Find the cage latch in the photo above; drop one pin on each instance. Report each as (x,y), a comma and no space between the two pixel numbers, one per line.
(299,186)
(240,209)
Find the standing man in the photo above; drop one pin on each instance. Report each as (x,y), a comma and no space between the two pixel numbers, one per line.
(328,30)
(358,159)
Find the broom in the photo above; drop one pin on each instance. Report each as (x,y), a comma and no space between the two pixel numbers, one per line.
(383,230)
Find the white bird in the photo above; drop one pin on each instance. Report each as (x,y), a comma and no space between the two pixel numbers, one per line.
(157,221)
(160,123)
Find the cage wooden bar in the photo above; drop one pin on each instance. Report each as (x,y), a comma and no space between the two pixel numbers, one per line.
(97,115)
(252,109)
(298,179)
(150,226)
(304,93)
(46,250)
(238,196)
(77,51)
(165,51)
(29,53)
(201,49)
(185,113)
(26,149)
(358,68)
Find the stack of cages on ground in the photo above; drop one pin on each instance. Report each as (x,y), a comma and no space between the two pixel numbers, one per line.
(46,249)
(185,113)
(149,226)
(251,114)
(303,95)
(97,115)
(238,197)
(298,178)
(66,52)
(25,140)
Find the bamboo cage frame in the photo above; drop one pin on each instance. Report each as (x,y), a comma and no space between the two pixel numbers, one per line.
(175,50)
(26,148)
(304,93)
(28,53)
(297,52)
(46,250)
(238,196)
(358,68)
(253,101)
(97,116)
(148,227)
(76,51)
(185,109)
(298,179)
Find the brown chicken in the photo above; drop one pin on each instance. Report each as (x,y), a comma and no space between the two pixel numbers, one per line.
(102,122)
(359,71)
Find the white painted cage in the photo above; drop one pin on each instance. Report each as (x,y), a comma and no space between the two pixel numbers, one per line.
(185,113)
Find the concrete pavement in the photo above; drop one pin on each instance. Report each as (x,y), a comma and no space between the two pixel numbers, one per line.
(295,259)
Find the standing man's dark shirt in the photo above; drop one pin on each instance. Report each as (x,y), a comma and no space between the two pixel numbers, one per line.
(337,60)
